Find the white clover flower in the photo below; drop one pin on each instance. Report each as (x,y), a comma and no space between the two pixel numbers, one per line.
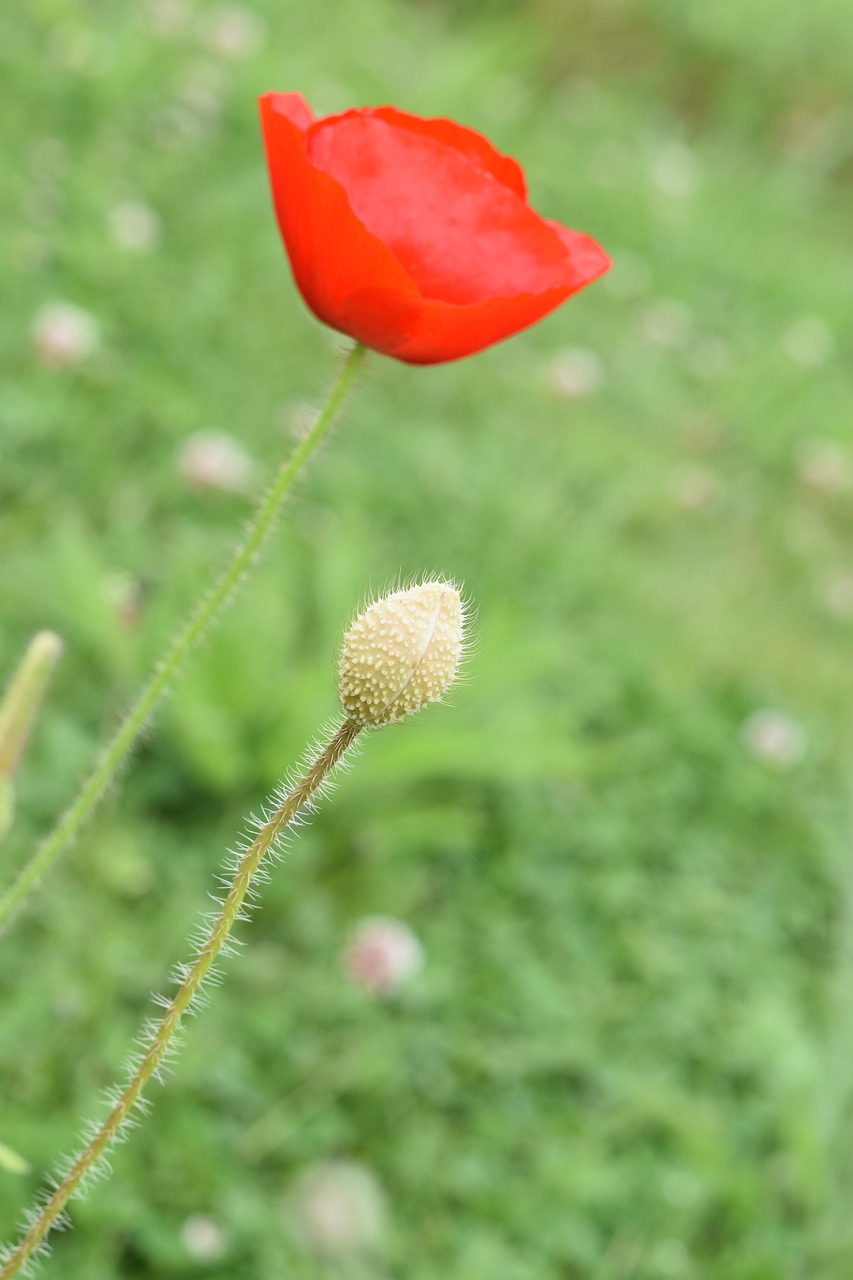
(825,466)
(64,334)
(675,170)
(382,955)
(168,18)
(576,372)
(203,1238)
(836,595)
(135,227)
(630,277)
(774,738)
(339,1209)
(211,460)
(666,322)
(695,487)
(236,32)
(712,357)
(809,341)
(670,1257)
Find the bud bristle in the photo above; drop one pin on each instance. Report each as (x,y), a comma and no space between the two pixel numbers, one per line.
(401,653)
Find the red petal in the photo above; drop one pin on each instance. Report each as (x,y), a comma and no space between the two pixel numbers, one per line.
(461,235)
(424,194)
(470,143)
(587,259)
(331,252)
(291,105)
(431,332)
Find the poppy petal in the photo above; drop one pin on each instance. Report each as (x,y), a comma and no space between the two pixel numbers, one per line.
(414,235)
(460,234)
(587,259)
(467,141)
(432,332)
(293,106)
(332,254)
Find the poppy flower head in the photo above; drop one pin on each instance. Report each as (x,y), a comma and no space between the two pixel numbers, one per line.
(414,235)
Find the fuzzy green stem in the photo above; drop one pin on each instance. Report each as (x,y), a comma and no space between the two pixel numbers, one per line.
(264,841)
(203,615)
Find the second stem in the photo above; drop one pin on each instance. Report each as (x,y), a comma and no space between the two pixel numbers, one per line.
(200,619)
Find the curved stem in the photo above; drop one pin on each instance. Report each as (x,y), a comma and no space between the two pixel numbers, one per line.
(159,1042)
(202,616)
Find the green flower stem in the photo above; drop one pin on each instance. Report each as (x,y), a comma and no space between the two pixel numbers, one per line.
(205,612)
(295,799)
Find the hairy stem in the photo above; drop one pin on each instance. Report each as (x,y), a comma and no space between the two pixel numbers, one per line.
(206,611)
(158,1044)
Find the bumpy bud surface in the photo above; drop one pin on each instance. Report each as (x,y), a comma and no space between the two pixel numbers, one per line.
(401,653)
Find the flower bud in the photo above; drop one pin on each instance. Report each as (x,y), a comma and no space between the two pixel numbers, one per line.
(23,697)
(7,805)
(401,653)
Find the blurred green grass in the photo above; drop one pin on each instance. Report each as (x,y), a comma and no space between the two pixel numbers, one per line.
(628,1055)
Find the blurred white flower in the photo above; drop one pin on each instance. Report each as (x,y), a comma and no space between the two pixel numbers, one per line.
(72,47)
(168,18)
(670,1258)
(629,277)
(712,357)
(339,1209)
(774,738)
(825,466)
(666,322)
(695,487)
(576,371)
(135,227)
(675,170)
(202,93)
(680,1188)
(836,595)
(64,334)
(203,1238)
(47,157)
(382,955)
(213,460)
(809,341)
(235,31)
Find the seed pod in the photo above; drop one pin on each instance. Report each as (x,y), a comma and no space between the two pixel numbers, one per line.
(401,653)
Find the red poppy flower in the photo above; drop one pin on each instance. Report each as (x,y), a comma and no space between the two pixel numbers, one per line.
(414,235)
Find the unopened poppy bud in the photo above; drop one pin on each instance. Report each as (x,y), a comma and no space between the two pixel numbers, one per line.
(23,697)
(7,806)
(401,653)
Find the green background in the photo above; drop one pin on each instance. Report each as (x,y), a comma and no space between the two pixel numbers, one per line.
(630,1053)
